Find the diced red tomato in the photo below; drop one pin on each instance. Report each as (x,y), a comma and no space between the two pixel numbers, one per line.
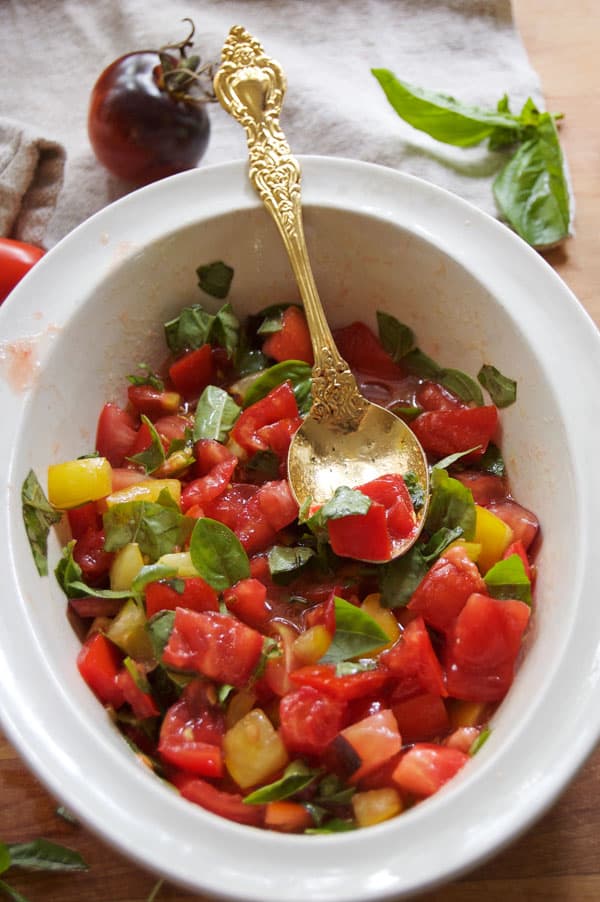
(309,720)
(523,522)
(226,804)
(172,427)
(462,738)
(191,733)
(372,741)
(193,372)
(432,396)
(279,404)
(142,441)
(413,662)
(278,668)
(362,536)
(123,477)
(483,647)
(518,548)
(248,601)
(286,816)
(421,717)
(278,436)
(94,561)
(115,434)
(216,645)
(485,487)
(255,513)
(153,402)
(195,594)
(208,453)
(363,351)
(322,614)
(426,768)
(99,663)
(292,341)
(443,432)
(142,703)
(345,688)
(207,488)
(444,590)
(83,518)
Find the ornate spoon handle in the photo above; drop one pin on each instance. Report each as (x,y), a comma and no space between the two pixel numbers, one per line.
(250,86)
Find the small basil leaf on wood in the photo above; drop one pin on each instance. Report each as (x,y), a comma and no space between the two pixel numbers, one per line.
(4,857)
(298,373)
(508,579)
(396,338)
(216,414)
(217,554)
(451,505)
(152,457)
(501,389)
(356,633)
(43,855)
(441,116)
(38,517)
(215,278)
(296,777)
(399,578)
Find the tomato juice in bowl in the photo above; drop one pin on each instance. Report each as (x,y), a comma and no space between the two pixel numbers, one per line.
(473,294)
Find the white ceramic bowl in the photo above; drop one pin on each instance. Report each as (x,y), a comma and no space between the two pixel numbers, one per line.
(473,293)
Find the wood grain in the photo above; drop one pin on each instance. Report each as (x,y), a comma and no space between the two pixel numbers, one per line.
(557,860)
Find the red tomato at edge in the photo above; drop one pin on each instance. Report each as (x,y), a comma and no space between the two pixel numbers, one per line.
(16,259)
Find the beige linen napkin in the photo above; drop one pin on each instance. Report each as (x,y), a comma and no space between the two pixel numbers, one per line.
(334,106)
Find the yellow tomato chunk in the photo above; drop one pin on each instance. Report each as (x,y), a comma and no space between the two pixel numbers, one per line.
(376,805)
(312,644)
(472,549)
(128,631)
(181,561)
(494,536)
(254,751)
(147,490)
(384,618)
(76,482)
(126,565)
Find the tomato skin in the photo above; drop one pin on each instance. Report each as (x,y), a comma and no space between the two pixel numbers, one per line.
(191,733)
(426,767)
(374,740)
(484,487)
(345,688)
(443,592)
(16,259)
(197,595)
(138,131)
(363,352)
(207,488)
(116,434)
(214,644)
(83,518)
(226,804)
(279,404)
(191,373)
(292,342)
(432,396)
(248,601)
(152,402)
(523,522)
(94,561)
(482,650)
(142,703)
(255,513)
(310,720)
(443,432)
(99,663)
(413,662)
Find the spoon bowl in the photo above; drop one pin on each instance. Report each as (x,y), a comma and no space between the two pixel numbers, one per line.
(345,440)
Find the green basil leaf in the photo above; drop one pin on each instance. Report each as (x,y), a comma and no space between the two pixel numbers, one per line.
(215,278)
(216,414)
(462,386)
(333,791)
(446,462)
(492,461)
(296,777)
(343,503)
(508,579)
(440,116)
(217,554)
(287,559)
(451,505)
(11,893)
(408,414)
(5,861)
(396,338)
(479,741)
(251,361)
(335,825)
(158,527)
(152,457)
(195,327)
(38,517)
(159,628)
(399,578)
(298,373)
(415,490)
(147,377)
(150,573)
(419,364)
(348,668)
(356,633)
(531,191)
(67,815)
(43,855)
(501,389)
(273,320)
(68,572)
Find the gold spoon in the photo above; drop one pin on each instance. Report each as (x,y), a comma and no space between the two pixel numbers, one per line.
(345,440)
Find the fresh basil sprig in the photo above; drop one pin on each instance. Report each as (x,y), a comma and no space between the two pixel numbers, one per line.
(38,517)
(215,278)
(531,190)
(37,855)
(195,327)
(157,527)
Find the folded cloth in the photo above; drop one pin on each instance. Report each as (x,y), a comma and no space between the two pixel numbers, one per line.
(334,106)
(31,176)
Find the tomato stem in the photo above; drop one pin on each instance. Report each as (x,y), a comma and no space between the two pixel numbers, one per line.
(175,75)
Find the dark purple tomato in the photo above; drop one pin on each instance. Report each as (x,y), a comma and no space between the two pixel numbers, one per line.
(138,129)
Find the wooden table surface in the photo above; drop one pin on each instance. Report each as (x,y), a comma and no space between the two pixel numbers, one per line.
(558,858)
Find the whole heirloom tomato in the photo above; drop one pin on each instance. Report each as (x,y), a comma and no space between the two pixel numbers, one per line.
(16,259)
(147,117)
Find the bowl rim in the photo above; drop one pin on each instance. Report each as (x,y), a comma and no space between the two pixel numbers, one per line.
(463,232)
